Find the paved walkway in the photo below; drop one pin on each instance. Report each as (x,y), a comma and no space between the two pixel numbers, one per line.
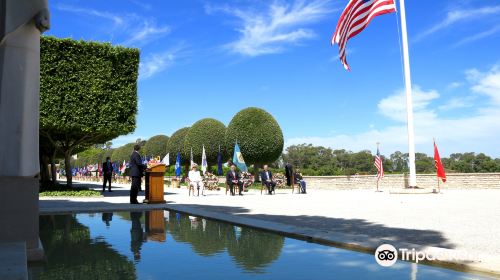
(456,221)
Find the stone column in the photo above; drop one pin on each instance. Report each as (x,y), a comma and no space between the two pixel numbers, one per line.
(21,22)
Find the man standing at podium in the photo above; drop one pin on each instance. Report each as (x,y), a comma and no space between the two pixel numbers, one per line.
(136,172)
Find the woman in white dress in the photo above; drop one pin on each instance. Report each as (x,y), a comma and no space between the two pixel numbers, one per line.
(195,179)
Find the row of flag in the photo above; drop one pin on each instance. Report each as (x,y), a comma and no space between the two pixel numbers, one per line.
(237,160)
(87,170)
(441,174)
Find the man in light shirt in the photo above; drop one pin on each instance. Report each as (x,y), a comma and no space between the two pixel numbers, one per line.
(195,179)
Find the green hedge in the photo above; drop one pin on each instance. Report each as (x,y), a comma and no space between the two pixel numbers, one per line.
(207,132)
(88,93)
(258,134)
(87,88)
(156,146)
(176,144)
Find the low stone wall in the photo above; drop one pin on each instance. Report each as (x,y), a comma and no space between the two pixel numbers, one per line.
(429,181)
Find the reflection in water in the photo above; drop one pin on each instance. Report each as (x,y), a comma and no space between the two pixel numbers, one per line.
(136,235)
(107,218)
(255,249)
(80,247)
(155,226)
(72,254)
(207,242)
(251,249)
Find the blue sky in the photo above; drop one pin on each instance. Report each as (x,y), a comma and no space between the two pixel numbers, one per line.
(204,58)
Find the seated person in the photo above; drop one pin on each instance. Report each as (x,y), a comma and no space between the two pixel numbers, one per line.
(195,179)
(266,176)
(300,180)
(233,178)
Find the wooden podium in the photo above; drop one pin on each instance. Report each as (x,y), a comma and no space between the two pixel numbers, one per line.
(155,226)
(154,184)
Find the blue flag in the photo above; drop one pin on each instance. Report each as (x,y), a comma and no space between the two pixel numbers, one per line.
(238,159)
(219,164)
(178,165)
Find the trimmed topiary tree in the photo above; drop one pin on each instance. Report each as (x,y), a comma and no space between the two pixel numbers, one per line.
(88,93)
(176,144)
(258,134)
(156,146)
(208,132)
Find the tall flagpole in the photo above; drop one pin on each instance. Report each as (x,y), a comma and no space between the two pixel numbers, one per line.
(409,101)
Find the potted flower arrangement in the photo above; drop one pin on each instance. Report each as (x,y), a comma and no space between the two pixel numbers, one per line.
(248,179)
(211,181)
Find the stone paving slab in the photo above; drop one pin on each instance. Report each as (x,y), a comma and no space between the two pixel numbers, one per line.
(464,221)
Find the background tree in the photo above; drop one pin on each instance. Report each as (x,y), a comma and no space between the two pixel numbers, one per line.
(156,146)
(123,153)
(176,144)
(258,134)
(207,132)
(399,162)
(88,94)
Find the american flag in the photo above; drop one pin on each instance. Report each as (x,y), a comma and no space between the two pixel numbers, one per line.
(379,165)
(355,17)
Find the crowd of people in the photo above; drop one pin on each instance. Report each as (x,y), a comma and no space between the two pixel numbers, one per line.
(234,180)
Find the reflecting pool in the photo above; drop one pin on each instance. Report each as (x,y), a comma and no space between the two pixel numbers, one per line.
(168,245)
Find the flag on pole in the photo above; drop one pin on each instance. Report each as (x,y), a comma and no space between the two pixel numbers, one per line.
(178,165)
(238,159)
(204,163)
(219,163)
(355,17)
(439,165)
(166,160)
(123,167)
(379,165)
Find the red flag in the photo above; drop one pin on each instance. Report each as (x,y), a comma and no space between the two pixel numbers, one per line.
(439,165)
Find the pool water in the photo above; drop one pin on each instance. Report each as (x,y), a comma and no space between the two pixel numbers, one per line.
(167,245)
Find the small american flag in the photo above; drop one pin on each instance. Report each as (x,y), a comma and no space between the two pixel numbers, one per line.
(355,17)
(379,165)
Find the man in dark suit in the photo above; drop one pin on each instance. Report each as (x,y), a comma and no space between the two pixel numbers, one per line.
(107,173)
(289,174)
(136,172)
(233,178)
(266,176)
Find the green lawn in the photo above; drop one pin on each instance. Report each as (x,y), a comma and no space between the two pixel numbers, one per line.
(63,190)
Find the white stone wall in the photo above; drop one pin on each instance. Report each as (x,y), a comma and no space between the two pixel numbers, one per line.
(454,181)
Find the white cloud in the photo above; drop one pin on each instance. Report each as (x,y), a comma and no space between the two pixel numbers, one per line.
(117,19)
(457,16)
(281,25)
(158,62)
(486,83)
(457,103)
(475,132)
(394,106)
(455,85)
(138,30)
(478,36)
(146,32)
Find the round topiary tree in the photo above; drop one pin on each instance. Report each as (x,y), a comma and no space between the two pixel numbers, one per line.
(176,144)
(209,133)
(123,153)
(258,134)
(156,146)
